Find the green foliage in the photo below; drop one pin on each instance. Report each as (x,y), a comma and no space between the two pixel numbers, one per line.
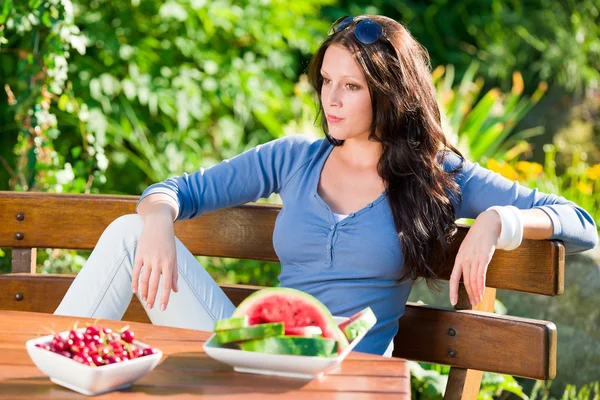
(483,124)
(36,41)
(548,40)
(591,391)
(189,84)
(58,261)
(246,272)
(163,88)
(495,386)
(429,381)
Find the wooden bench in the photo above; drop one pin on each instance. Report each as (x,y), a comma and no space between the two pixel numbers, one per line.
(469,340)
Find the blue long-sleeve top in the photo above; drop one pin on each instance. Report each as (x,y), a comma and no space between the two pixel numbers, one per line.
(355,263)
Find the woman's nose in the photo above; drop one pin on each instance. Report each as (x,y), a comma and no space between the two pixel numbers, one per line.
(334,98)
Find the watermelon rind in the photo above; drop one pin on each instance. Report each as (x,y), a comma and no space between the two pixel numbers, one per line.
(231,323)
(359,323)
(292,345)
(252,332)
(303,331)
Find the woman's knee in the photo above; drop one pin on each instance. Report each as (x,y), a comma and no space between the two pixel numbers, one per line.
(126,225)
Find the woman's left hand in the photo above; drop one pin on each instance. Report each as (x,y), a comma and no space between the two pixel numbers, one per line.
(474,256)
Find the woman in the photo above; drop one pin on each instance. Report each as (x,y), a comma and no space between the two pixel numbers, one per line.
(366,210)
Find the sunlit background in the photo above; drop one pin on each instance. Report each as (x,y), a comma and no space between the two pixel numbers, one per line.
(110,96)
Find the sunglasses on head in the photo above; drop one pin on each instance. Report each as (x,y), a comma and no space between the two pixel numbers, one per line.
(366,30)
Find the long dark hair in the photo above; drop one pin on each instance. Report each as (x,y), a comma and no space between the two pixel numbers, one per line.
(407,123)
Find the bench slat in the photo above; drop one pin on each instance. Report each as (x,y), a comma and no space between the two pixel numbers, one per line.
(77,221)
(69,221)
(482,341)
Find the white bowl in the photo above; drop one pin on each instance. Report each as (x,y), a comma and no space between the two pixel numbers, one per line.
(86,379)
(292,366)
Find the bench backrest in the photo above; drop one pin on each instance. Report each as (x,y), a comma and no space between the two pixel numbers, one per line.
(470,340)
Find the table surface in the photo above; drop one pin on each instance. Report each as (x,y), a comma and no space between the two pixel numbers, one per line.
(185,371)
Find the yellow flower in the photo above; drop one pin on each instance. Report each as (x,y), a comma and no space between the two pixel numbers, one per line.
(530,169)
(593,172)
(518,84)
(503,168)
(584,188)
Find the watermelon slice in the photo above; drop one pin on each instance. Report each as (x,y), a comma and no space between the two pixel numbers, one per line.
(301,346)
(358,323)
(292,307)
(231,323)
(304,331)
(252,332)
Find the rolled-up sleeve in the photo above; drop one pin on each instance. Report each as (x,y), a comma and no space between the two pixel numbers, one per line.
(482,188)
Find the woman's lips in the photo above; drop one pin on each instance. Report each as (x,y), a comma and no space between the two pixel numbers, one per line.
(333,119)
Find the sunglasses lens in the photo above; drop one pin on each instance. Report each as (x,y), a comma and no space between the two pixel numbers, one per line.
(368,31)
(345,21)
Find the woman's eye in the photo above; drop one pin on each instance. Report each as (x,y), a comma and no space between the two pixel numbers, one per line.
(349,85)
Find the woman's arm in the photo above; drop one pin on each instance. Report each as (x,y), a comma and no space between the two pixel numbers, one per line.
(537,216)
(256,173)
(482,188)
(537,224)
(158,203)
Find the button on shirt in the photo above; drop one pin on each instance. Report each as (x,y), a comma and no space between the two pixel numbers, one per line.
(353,263)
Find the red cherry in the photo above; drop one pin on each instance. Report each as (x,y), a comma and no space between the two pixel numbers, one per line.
(113,359)
(60,345)
(77,346)
(92,330)
(42,346)
(97,360)
(74,335)
(65,353)
(132,350)
(116,346)
(82,359)
(92,338)
(150,350)
(103,351)
(91,348)
(127,336)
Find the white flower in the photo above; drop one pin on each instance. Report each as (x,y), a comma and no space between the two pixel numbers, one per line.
(65,175)
(102,161)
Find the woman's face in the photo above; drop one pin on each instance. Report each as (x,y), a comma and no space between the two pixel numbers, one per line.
(345,95)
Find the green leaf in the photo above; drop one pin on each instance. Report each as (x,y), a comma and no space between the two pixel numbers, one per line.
(478,115)
(5,10)
(483,145)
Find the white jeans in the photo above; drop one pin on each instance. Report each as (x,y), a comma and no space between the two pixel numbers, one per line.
(102,289)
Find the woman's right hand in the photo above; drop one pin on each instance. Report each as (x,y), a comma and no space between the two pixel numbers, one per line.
(156,256)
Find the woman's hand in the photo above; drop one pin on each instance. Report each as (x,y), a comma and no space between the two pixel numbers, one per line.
(474,256)
(157,255)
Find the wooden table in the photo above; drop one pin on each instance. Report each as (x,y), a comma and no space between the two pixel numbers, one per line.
(187,372)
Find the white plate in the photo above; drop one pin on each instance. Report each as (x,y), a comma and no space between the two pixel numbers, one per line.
(84,378)
(303,367)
